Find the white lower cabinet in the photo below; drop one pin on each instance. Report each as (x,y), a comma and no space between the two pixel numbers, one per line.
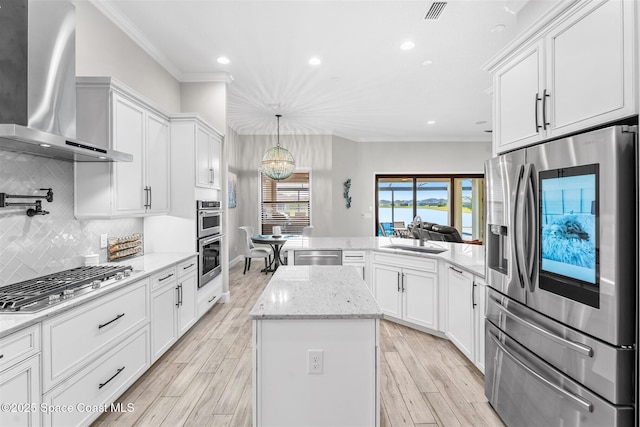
(173,305)
(459,309)
(465,311)
(209,295)
(89,392)
(20,378)
(358,260)
(75,338)
(406,288)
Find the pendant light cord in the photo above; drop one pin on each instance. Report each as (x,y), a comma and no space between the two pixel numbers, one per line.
(278,117)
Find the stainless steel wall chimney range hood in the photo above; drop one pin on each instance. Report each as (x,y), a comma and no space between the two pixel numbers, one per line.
(38,82)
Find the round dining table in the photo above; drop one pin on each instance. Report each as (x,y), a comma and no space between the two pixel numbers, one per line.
(276,243)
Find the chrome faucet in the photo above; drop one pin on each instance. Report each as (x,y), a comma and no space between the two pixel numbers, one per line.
(417,229)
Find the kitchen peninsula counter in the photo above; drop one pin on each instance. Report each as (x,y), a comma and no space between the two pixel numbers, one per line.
(466,256)
(316,329)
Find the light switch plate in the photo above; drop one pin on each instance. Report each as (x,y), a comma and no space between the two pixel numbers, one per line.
(103,241)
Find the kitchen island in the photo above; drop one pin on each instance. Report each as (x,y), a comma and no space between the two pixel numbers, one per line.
(315,343)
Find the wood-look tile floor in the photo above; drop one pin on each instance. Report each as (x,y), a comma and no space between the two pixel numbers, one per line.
(205,378)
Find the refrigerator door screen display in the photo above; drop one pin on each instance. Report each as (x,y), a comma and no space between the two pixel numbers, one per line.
(568,232)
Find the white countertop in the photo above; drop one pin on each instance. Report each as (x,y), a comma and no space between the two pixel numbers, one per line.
(468,257)
(146,265)
(316,292)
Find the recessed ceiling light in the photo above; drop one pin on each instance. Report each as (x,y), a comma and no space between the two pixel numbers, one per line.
(408,45)
(223,60)
(431,122)
(427,62)
(315,61)
(45,145)
(481,122)
(102,157)
(498,28)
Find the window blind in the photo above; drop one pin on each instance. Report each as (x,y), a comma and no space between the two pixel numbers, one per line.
(286,203)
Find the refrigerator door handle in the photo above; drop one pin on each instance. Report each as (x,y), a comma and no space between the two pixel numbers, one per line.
(531,224)
(525,208)
(579,401)
(518,221)
(577,347)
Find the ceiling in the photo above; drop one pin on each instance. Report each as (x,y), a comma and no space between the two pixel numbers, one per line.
(365,89)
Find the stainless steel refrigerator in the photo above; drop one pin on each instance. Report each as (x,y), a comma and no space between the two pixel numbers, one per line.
(561,252)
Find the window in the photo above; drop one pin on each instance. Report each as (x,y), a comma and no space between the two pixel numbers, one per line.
(454,200)
(285,203)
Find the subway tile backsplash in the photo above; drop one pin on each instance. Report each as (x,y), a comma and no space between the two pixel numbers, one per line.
(44,244)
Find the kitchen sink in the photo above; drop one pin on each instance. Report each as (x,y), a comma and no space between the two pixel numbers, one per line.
(420,249)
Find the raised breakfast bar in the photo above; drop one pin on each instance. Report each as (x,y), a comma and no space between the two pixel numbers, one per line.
(315,341)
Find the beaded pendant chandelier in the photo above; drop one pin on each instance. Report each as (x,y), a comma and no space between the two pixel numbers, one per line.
(277,162)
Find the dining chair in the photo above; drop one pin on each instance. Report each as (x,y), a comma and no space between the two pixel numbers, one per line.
(307,231)
(250,252)
(251,232)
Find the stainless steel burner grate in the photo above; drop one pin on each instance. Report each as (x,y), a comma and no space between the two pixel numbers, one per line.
(18,296)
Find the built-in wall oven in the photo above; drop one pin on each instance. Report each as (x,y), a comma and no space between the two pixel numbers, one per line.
(209,244)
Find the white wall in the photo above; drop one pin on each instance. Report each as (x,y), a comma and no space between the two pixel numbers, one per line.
(102,49)
(333,160)
(209,99)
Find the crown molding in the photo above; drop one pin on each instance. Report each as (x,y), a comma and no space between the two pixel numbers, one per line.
(218,76)
(426,139)
(136,36)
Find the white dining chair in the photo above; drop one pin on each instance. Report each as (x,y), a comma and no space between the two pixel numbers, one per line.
(250,251)
(307,231)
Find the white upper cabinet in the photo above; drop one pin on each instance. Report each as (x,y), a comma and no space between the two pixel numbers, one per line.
(111,115)
(207,158)
(571,73)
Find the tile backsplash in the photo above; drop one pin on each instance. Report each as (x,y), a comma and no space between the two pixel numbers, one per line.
(44,244)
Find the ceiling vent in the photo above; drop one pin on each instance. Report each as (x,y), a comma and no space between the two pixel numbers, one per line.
(435,10)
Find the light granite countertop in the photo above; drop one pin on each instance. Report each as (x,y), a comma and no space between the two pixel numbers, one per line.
(143,266)
(468,257)
(316,292)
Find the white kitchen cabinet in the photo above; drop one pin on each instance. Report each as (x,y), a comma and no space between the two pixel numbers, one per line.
(465,310)
(173,305)
(20,389)
(78,336)
(480,311)
(207,158)
(100,383)
(406,288)
(459,309)
(113,116)
(209,295)
(357,259)
(575,72)
(20,377)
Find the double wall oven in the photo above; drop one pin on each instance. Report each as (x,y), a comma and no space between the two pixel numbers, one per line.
(561,268)
(209,244)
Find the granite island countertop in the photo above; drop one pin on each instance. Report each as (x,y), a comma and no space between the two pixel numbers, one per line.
(316,292)
(466,256)
(143,266)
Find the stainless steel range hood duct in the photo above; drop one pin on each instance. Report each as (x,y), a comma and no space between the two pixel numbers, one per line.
(38,82)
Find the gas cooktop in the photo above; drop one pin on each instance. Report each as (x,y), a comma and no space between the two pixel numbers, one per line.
(43,292)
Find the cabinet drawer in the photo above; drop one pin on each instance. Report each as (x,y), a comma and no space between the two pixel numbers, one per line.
(166,276)
(19,345)
(423,264)
(75,338)
(100,383)
(353,257)
(209,295)
(187,267)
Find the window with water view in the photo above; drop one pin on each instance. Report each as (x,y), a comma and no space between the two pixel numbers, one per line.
(453,200)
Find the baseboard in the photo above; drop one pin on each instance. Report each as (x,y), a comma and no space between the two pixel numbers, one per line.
(225,298)
(236,260)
